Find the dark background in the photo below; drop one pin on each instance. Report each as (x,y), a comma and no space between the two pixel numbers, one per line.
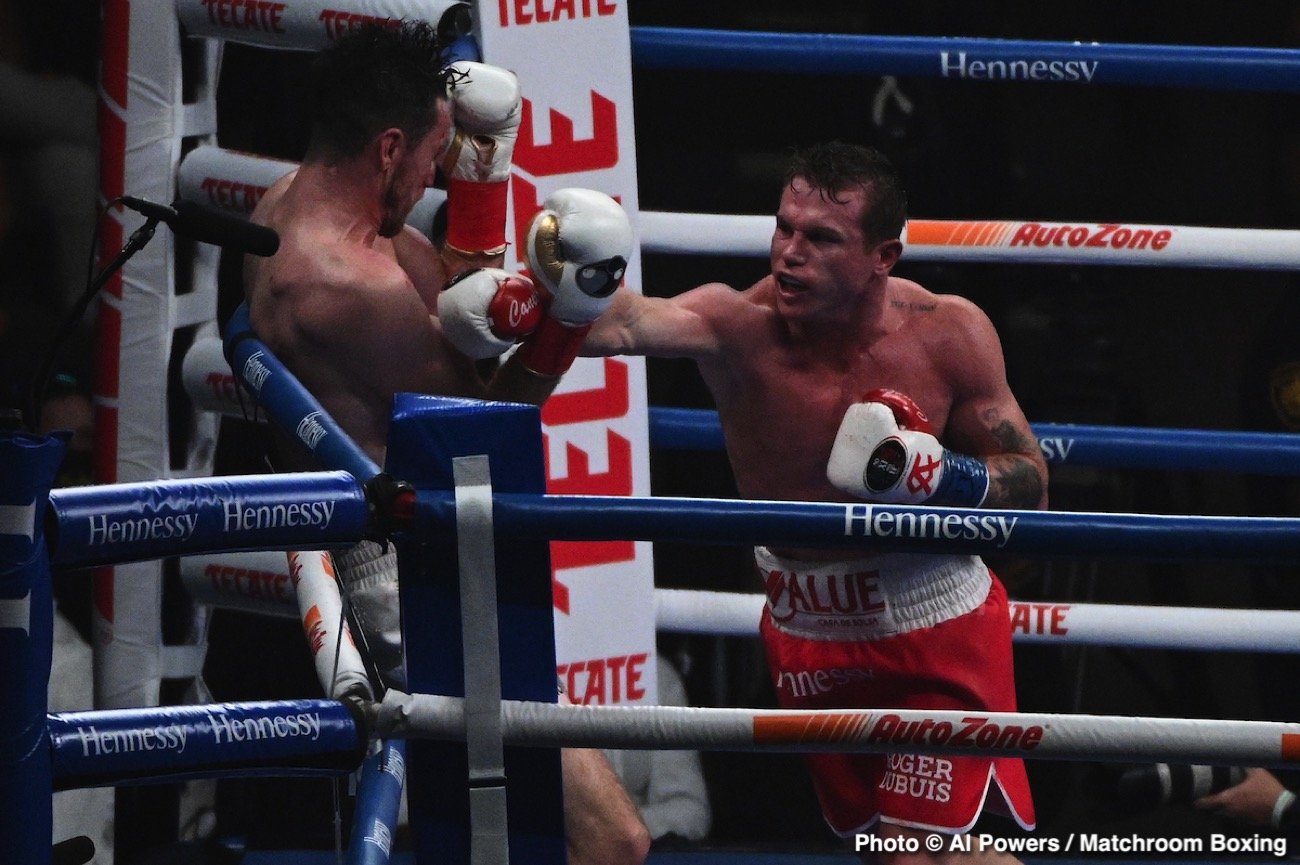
(1098,345)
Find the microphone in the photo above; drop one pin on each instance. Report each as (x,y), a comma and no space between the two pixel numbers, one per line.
(74,851)
(191,220)
(1175,783)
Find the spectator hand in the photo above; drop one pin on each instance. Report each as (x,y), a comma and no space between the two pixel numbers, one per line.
(1249,802)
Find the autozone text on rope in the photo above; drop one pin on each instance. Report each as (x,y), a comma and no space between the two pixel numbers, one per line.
(1101,236)
(973,732)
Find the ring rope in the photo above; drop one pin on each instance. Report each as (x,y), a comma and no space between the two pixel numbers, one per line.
(736,614)
(304,25)
(1043,736)
(1003,241)
(883,527)
(234,181)
(250,582)
(211,387)
(1268,454)
(1213,68)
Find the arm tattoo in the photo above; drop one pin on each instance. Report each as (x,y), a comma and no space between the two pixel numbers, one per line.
(1011,439)
(1019,483)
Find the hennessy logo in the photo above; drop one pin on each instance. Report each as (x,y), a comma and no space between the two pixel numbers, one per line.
(255,372)
(310,430)
(873,521)
(956,65)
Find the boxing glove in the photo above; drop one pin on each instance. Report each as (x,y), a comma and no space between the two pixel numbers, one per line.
(486,108)
(886,451)
(486,310)
(578,246)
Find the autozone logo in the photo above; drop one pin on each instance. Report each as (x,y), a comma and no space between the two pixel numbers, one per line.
(972,732)
(1043,235)
(1106,235)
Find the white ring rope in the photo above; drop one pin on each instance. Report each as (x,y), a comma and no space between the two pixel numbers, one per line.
(209,174)
(304,25)
(1004,241)
(1043,736)
(258,583)
(736,614)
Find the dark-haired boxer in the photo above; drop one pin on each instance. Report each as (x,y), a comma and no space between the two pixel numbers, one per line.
(361,306)
(837,381)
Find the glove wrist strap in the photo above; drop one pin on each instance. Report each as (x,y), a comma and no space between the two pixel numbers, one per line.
(551,349)
(964,482)
(476,215)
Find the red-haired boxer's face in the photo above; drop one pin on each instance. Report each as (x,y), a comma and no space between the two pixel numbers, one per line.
(414,173)
(819,256)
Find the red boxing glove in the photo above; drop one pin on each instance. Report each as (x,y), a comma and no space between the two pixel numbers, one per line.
(908,414)
(486,310)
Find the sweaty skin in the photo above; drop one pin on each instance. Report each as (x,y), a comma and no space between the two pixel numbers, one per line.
(787,356)
(349,302)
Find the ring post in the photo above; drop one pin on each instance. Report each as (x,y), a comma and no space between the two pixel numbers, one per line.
(375,818)
(427,435)
(27,467)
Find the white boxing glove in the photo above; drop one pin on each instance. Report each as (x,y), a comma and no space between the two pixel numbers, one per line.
(487,310)
(578,248)
(486,108)
(876,458)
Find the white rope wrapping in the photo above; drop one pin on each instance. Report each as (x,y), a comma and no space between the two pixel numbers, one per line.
(736,614)
(301,25)
(235,181)
(1003,241)
(338,663)
(257,583)
(1043,736)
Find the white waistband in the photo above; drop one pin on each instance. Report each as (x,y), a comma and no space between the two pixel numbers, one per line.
(366,564)
(869,599)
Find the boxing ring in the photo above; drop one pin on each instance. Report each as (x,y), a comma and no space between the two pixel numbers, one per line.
(84,520)
(217,178)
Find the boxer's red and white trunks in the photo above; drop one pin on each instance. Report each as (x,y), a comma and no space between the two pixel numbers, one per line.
(900,631)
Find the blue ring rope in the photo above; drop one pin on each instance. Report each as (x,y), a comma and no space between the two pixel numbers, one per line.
(118,523)
(881,527)
(294,409)
(1212,68)
(279,738)
(1269,454)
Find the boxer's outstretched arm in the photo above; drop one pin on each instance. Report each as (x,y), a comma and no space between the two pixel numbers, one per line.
(681,326)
